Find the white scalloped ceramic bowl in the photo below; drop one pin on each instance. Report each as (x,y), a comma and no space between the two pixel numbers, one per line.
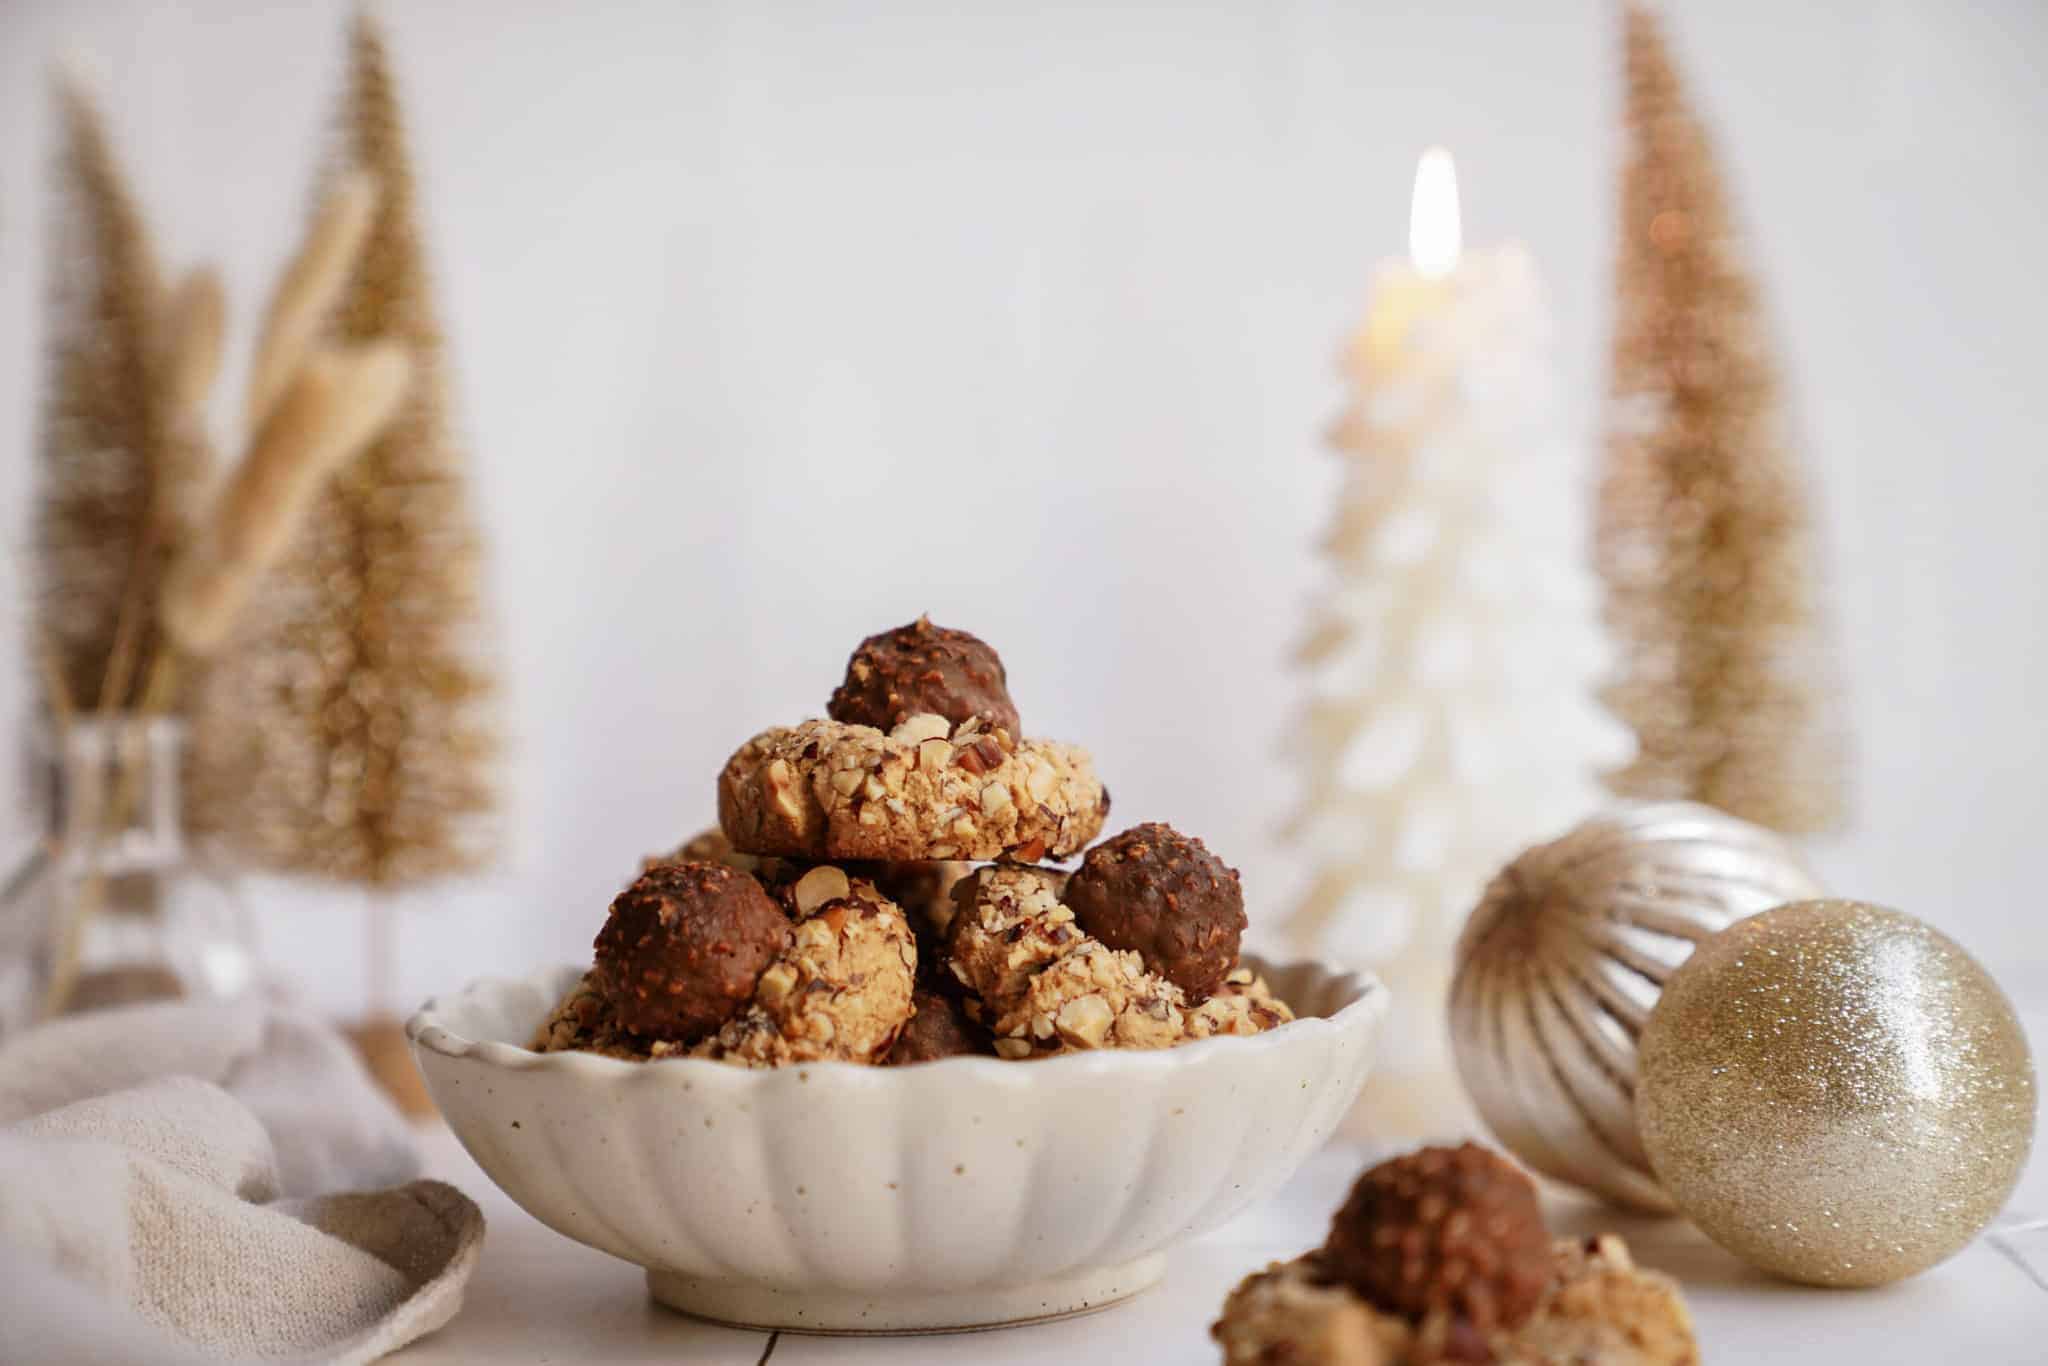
(960,1194)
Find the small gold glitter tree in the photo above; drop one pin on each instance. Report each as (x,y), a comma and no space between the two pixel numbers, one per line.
(120,464)
(347,733)
(1703,533)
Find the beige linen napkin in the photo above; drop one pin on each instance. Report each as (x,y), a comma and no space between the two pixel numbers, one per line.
(200,1183)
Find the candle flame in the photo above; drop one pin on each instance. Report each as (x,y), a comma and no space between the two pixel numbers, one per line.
(1434,235)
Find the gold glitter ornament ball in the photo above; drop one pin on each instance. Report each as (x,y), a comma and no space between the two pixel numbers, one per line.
(1836,1093)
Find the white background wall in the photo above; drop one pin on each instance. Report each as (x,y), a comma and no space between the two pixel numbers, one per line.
(776,323)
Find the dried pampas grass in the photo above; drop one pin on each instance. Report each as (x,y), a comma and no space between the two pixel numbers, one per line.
(348,731)
(135,575)
(311,409)
(192,334)
(185,361)
(103,467)
(336,403)
(306,292)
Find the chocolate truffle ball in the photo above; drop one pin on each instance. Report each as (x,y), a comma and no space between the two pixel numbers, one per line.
(923,668)
(1155,890)
(939,1029)
(683,947)
(1452,1231)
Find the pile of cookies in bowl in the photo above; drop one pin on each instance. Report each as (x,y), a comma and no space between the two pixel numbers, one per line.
(883,888)
(903,1045)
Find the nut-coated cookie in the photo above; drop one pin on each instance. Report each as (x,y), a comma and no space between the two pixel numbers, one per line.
(1044,986)
(840,992)
(925,790)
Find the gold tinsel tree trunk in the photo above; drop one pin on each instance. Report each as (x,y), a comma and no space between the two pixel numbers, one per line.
(1704,536)
(117,473)
(347,734)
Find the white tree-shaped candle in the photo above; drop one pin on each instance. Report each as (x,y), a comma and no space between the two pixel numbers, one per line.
(1453,656)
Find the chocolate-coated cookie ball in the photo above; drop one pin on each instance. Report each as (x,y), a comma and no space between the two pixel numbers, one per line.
(939,1029)
(923,668)
(1452,1231)
(684,946)
(1164,895)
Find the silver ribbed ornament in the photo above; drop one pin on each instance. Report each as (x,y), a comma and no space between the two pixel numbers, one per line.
(1564,957)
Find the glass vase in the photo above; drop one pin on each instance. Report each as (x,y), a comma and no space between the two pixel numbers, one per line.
(115,905)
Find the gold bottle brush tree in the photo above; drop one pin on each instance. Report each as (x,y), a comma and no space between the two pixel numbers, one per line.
(141,574)
(349,735)
(1704,529)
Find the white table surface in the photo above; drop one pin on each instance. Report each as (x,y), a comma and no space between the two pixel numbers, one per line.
(538,1297)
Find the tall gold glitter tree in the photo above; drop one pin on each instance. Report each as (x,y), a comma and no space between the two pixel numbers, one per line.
(1703,533)
(348,733)
(120,468)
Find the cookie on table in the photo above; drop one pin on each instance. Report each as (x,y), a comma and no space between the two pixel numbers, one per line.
(1600,1307)
(1291,1313)
(1603,1307)
(1440,1255)
(1443,1230)
(923,790)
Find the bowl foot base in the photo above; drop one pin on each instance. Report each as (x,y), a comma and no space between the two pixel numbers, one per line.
(744,1305)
